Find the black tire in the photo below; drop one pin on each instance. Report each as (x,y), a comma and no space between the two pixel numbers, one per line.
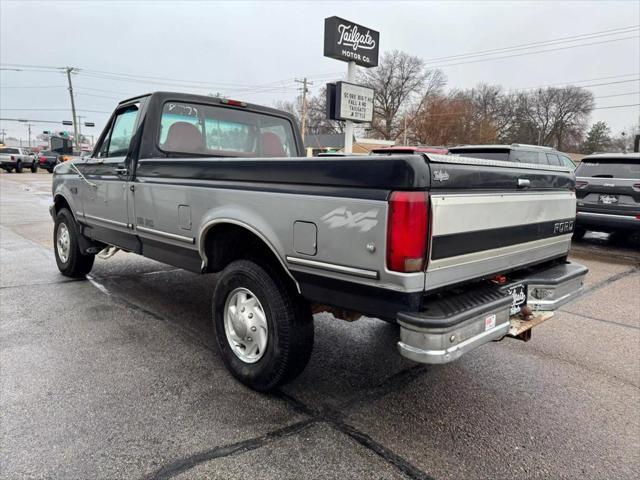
(77,265)
(289,321)
(50,169)
(18,166)
(34,167)
(579,233)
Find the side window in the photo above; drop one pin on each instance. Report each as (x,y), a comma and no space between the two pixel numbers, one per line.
(116,141)
(524,156)
(568,162)
(553,159)
(122,132)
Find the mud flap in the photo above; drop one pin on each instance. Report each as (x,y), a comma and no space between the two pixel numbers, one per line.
(521,329)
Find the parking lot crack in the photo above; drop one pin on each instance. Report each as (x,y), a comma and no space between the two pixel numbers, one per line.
(179,466)
(333,418)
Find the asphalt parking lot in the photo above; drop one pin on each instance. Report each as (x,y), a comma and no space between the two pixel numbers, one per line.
(118,376)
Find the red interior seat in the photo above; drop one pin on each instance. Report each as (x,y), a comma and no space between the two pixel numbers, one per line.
(271,146)
(183,137)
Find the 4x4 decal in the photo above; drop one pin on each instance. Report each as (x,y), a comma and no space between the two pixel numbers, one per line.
(341,217)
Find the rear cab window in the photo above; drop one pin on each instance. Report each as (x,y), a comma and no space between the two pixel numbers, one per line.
(187,128)
(9,150)
(609,168)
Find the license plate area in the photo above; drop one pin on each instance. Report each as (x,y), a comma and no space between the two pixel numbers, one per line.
(607,199)
(518,292)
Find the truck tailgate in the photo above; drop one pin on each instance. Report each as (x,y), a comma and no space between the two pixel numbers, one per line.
(494,217)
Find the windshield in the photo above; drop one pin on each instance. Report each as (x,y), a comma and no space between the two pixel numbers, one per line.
(609,168)
(225,132)
(486,153)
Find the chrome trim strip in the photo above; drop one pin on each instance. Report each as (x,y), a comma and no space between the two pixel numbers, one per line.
(418,354)
(333,267)
(592,214)
(453,158)
(106,220)
(172,236)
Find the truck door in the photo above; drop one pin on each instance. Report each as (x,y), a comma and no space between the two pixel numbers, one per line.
(106,194)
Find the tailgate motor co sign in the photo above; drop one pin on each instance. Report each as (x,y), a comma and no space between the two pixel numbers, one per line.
(353,102)
(350,42)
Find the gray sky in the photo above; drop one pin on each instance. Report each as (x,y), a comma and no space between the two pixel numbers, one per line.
(237,47)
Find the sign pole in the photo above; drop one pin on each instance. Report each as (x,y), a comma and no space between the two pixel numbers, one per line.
(348,127)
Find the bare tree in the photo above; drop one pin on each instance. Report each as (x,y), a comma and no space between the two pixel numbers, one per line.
(551,116)
(397,79)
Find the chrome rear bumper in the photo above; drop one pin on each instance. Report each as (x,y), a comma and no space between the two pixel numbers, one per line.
(453,325)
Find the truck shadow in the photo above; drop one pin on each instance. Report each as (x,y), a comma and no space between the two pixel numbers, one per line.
(348,357)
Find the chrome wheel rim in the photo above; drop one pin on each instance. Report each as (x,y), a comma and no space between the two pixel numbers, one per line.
(63,242)
(245,325)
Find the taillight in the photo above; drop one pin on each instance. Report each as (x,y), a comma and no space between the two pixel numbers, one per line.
(408,231)
(581,184)
(13,158)
(636,186)
(235,103)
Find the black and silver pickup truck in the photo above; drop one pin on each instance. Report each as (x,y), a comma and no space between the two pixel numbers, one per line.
(457,251)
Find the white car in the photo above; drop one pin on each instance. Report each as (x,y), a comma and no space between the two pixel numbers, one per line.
(17,158)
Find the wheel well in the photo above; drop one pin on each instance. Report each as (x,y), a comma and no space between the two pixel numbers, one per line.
(226,242)
(59,202)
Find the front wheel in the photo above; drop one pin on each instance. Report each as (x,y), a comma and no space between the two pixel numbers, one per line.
(70,259)
(263,328)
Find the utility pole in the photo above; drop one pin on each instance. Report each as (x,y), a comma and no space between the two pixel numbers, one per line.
(3,132)
(405,130)
(29,125)
(348,125)
(80,117)
(69,71)
(304,83)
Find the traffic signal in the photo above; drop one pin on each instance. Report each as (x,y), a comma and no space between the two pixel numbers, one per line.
(46,132)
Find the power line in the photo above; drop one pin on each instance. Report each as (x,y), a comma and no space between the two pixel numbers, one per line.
(583,81)
(573,38)
(532,53)
(49,110)
(618,106)
(618,95)
(34,86)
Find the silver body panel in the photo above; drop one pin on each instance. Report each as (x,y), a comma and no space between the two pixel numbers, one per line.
(456,213)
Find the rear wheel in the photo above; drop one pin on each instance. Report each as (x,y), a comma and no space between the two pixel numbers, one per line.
(579,233)
(34,167)
(18,166)
(71,261)
(264,329)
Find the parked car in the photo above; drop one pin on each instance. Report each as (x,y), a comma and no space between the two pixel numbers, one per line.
(398,149)
(217,185)
(608,193)
(48,159)
(517,152)
(13,158)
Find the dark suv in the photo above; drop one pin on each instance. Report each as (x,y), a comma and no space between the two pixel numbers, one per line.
(516,152)
(608,193)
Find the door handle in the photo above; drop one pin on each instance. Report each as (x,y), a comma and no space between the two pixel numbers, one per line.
(122,171)
(524,183)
